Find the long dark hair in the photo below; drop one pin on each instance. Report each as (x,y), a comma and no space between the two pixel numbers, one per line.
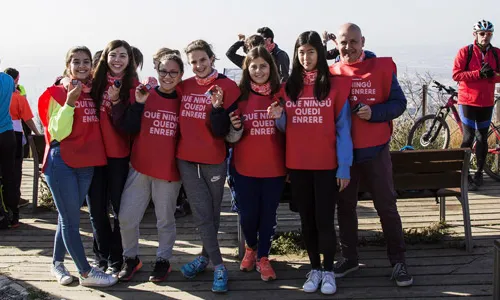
(100,80)
(295,84)
(274,78)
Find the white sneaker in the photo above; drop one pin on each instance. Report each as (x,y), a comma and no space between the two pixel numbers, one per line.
(313,281)
(61,273)
(98,278)
(328,285)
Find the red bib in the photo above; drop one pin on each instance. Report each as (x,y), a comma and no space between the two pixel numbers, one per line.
(197,143)
(261,150)
(116,143)
(311,140)
(153,151)
(84,146)
(371,84)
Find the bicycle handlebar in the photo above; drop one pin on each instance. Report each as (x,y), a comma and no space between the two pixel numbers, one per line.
(449,90)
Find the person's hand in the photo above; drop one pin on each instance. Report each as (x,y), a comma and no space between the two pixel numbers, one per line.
(486,71)
(274,111)
(217,97)
(332,37)
(235,120)
(65,81)
(325,36)
(365,113)
(73,93)
(342,183)
(287,178)
(140,95)
(113,93)
(241,37)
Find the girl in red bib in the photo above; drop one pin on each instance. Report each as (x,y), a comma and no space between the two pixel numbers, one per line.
(259,159)
(201,153)
(316,119)
(115,79)
(153,118)
(74,148)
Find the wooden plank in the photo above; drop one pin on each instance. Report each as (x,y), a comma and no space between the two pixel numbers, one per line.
(430,166)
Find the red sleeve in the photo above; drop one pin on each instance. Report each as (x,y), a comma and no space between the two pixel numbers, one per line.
(26,113)
(231,93)
(496,79)
(459,66)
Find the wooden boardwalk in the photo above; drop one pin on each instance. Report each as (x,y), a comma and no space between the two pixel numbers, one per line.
(440,270)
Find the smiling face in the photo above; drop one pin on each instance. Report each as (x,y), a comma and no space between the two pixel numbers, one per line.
(308,57)
(350,44)
(169,75)
(200,63)
(80,66)
(118,61)
(259,70)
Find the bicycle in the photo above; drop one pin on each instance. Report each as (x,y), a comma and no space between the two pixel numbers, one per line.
(432,132)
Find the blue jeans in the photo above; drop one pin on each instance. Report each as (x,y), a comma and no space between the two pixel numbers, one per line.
(69,187)
(258,200)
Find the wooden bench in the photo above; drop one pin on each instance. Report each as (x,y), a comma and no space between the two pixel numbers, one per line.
(425,174)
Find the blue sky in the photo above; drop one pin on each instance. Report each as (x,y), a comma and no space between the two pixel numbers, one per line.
(36,34)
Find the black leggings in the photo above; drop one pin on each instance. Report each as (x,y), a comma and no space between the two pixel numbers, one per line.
(476,121)
(316,193)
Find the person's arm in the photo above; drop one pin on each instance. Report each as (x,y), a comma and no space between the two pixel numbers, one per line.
(393,107)
(127,117)
(32,126)
(332,54)
(233,57)
(459,72)
(281,122)
(344,142)
(60,120)
(219,120)
(234,134)
(283,63)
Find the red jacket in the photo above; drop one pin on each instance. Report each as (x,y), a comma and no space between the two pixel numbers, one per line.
(472,89)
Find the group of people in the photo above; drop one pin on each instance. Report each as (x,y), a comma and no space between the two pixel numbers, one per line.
(114,140)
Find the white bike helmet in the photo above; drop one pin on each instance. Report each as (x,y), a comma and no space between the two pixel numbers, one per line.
(484,25)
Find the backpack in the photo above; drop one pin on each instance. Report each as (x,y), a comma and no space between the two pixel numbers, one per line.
(470,52)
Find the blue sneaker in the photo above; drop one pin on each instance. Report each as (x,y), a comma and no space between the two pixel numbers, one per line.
(198,265)
(220,280)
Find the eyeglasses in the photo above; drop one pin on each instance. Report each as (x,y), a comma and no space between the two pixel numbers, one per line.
(172,74)
(487,33)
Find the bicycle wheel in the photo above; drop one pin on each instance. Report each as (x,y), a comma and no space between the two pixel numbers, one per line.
(492,163)
(429,132)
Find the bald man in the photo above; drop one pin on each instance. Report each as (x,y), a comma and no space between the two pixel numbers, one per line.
(376,99)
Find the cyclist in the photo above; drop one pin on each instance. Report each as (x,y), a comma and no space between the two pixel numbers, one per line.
(476,69)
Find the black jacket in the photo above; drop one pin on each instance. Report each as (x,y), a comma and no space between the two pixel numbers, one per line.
(280,58)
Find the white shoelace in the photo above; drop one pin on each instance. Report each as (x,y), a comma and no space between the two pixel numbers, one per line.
(98,274)
(61,270)
(328,277)
(314,276)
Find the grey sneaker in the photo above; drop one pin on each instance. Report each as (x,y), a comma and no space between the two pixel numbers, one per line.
(401,276)
(313,281)
(61,273)
(328,285)
(98,278)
